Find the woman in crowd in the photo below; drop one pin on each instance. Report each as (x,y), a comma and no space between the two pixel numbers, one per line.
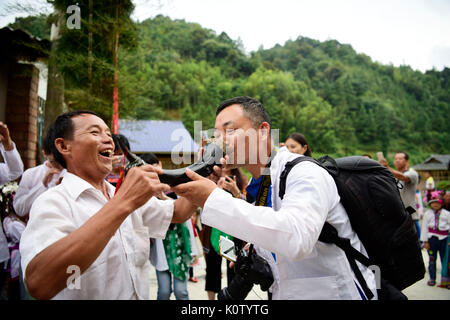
(296,143)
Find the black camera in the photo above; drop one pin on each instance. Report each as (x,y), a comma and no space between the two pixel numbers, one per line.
(250,269)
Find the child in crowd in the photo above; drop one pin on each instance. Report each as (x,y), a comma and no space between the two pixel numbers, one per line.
(435,228)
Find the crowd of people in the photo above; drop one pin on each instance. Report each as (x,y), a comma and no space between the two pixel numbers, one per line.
(78,228)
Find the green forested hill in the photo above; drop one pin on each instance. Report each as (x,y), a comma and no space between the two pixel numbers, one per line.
(341,100)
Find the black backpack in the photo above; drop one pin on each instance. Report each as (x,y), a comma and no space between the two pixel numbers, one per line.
(370,195)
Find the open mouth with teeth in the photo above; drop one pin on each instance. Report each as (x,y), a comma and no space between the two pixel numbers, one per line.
(106,153)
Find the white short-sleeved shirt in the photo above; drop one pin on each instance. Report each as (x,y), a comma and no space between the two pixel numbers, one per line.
(122,270)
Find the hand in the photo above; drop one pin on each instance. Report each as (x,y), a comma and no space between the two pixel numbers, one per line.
(383,162)
(139,185)
(49,176)
(197,190)
(217,170)
(229,184)
(5,138)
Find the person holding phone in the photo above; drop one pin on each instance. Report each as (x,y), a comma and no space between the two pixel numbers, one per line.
(408,179)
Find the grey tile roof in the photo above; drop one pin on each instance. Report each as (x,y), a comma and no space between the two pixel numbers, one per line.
(435,162)
(157,136)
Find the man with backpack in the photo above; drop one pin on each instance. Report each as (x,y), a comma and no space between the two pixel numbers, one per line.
(285,235)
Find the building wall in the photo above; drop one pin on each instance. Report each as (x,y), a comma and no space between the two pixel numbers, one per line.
(438,176)
(21,110)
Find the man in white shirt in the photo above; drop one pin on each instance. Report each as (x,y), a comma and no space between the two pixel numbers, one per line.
(302,266)
(82,227)
(37,180)
(10,170)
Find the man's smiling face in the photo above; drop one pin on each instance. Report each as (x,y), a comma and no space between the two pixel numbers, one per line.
(91,148)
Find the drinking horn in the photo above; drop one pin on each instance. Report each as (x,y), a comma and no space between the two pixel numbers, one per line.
(213,151)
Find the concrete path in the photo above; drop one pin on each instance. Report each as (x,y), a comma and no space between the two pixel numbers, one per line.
(418,291)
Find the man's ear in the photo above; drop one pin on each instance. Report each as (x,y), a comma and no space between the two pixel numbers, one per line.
(264,129)
(63,146)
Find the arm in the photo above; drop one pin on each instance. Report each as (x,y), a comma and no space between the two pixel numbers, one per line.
(13,166)
(291,231)
(397,174)
(424,227)
(183,210)
(26,194)
(45,274)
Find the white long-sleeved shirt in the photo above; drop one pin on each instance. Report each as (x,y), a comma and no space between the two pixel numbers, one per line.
(13,230)
(31,187)
(12,168)
(122,270)
(430,220)
(304,268)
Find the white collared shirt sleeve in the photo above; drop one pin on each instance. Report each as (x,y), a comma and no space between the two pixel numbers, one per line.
(424,227)
(30,187)
(13,229)
(49,222)
(294,229)
(156,216)
(13,166)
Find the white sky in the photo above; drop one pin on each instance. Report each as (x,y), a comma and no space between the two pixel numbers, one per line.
(414,32)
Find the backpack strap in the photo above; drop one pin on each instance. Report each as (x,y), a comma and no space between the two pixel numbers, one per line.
(288,167)
(329,233)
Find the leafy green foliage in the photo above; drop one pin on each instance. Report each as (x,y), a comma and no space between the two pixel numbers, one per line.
(38,26)
(342,101)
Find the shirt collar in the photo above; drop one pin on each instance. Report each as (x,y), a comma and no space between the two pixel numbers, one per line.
(75,185)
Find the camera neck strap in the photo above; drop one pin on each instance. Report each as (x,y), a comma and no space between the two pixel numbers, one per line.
(263,192)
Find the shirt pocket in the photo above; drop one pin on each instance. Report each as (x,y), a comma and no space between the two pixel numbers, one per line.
(139,248)
(320,288)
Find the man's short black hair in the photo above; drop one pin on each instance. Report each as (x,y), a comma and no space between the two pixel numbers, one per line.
(405,154)
(63,128)
(46,141)
(252,108)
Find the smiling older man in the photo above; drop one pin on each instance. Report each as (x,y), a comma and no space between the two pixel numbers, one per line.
(82,227)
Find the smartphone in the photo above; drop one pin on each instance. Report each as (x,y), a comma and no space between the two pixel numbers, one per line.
(380,156)
(226,247)
(229,178)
